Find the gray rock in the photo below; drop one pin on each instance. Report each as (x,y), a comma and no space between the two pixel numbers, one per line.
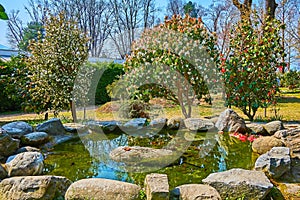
(281,134)
(230,121)
(2,131)
(195,192)
(106,126)
(17,129)
(273,126)
(136,123)
(175,123)
(142,158)
(52,127)
(3,173)
(264,144)
(197,124)
(25,164)
(275,162)
(34,188)
(257,129)
(27,149)
(102,189)
(289,190)
(158,123)
(8,145)
(157,187)
(291,139)
(35,139)
(240,183)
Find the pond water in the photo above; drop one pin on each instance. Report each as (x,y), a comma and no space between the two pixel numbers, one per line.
(88,156)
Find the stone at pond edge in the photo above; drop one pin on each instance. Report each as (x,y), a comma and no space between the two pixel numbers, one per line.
(273,126)
(291,139)
(35,139)
(275,162)
(257,129)
(239,183)
(3,173)
(8,145)
(27,149)
(52,127)
(34,187)
(264,144)
(102,189)
(230,121)
(157,187)
(17,129)
(175,123)
(289,190)
(195,192)
(25,164)
(158,122)
(197,124)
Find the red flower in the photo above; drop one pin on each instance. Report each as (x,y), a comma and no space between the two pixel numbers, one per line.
(223,70)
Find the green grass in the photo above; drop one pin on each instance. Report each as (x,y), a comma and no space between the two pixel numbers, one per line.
(288,109)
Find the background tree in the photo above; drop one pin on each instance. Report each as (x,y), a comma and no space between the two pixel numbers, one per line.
(31,32)
(174,7)
(54,63)
(250,71)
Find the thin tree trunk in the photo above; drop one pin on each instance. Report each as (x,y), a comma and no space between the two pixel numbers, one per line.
(73,110)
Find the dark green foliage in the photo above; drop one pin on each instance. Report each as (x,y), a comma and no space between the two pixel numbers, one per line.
(290,79)
(11,95)
(110,73)
(31,32)
(3,14)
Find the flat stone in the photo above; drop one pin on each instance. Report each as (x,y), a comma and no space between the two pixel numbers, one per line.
(25,164)
(102,189)
(273,126)
(52,127)
(17,129)
(157,187)
(34,188)
(195,192)
(264,144)
(275,162)
(197,124)
(35,139)
(236,183)
(257,129)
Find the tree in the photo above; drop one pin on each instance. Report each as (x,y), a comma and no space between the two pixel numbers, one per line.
(175,7)
(31,32)
(250,71)
(3,14)
(175,60)
(190,8)
(244,8)
(54,63)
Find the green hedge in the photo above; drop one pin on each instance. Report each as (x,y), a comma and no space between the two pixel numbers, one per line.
(11,95)
(108,73)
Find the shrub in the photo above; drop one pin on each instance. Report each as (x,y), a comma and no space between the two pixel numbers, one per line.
(290,79)
(134,109)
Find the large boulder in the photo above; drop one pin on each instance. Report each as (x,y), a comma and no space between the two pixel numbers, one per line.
(8,145)
(34,188)
(197,124)
(275,162)
(230,121)
(239,183)
(264,144)
(195,192)
(25,164)
(52,127)
(17,129)
(138,158)
(35,139)
(102,189)
(157,187)
(257,129)
(273,126)
(291,139)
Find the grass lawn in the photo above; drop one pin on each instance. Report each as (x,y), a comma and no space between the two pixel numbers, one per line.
(288,109)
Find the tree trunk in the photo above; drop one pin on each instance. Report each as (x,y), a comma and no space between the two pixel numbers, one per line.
(271,6)
(245,8)
(73,110)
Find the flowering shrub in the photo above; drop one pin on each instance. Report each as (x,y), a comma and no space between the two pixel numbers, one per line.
(250,71)
(175,60)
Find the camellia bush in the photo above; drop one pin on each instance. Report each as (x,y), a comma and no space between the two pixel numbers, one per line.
(250,71)
(176,60)
(54,63)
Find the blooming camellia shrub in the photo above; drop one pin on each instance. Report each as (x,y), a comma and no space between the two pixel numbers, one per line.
(175,60)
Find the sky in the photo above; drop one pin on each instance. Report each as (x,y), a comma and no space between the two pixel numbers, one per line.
(10,5)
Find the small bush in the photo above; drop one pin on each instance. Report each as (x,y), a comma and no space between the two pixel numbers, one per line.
(290,79)
(134,109)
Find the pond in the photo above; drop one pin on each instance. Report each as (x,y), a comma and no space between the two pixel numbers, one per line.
(88,156)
